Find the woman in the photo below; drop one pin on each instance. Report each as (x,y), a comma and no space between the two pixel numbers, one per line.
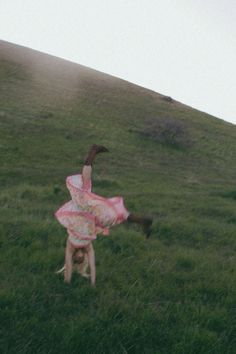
(88,214)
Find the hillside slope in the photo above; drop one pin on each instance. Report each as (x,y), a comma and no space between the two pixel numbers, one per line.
(173,294)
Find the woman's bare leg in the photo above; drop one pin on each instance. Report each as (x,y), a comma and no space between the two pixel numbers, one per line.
(86,174)
(91,260)
(87,168)
(68,262)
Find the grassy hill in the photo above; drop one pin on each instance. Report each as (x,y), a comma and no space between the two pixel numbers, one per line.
(174,293)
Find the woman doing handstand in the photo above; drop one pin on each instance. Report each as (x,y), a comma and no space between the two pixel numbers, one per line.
(88,214)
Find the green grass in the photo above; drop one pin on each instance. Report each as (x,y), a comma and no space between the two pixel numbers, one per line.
(174,293)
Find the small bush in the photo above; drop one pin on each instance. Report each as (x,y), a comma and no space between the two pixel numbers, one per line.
(167,131)
(168,99)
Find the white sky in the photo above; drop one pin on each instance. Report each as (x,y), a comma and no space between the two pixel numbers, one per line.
(181,48)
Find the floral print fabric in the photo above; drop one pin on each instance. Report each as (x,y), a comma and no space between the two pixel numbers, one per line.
(87,213)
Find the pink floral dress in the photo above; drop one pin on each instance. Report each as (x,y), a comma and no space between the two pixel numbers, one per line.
(87,213)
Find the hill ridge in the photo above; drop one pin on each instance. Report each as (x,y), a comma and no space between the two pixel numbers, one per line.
(11,46)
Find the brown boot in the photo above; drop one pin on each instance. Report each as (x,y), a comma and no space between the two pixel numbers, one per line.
(94,150)
(144,222)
